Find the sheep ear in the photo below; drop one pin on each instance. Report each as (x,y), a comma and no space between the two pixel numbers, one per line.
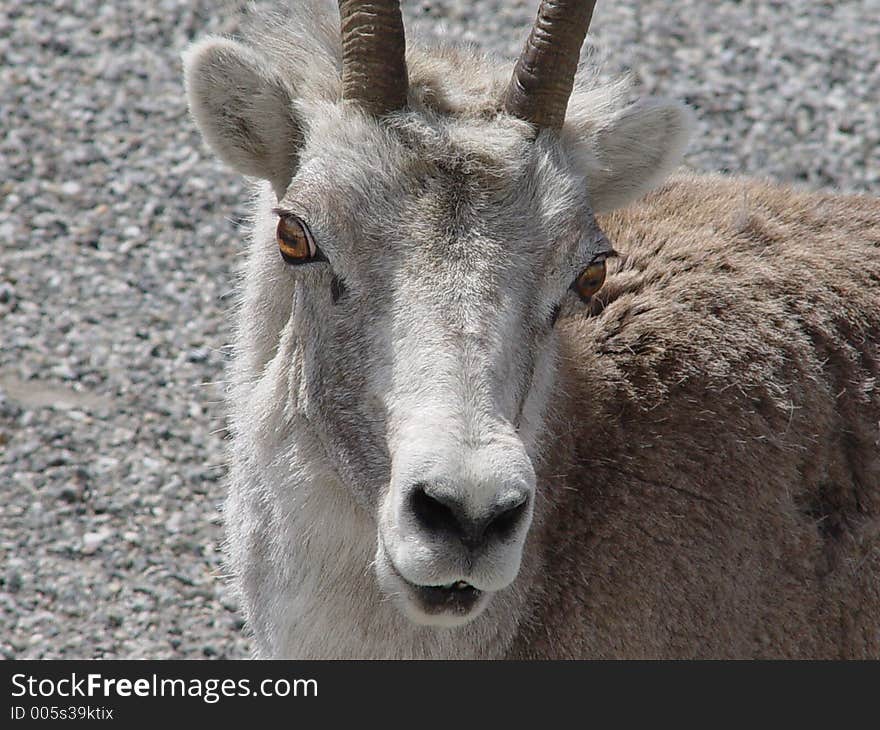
(630,151)
(243,110)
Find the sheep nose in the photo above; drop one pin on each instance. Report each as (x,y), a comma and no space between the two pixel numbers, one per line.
(443,513)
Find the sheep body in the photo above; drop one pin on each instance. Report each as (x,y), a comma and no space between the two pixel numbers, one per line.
(704,432)
(718,429)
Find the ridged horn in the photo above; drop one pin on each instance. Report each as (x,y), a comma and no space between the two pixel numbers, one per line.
(373,54)
(544,74)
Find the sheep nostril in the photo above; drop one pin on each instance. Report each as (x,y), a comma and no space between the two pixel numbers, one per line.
(506,519)
(443,514)
(436,514)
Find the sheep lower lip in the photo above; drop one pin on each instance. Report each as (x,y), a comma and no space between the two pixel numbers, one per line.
(458,598)
(446,599)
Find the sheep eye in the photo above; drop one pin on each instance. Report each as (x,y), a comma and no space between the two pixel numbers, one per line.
(590,280)
(295,241)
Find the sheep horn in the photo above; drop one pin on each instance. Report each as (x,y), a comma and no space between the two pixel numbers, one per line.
(373,54)
(544,74)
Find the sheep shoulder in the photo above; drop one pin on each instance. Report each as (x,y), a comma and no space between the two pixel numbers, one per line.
(714,486)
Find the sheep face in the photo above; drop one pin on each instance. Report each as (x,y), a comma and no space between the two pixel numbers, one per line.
(396,338)
(420,319)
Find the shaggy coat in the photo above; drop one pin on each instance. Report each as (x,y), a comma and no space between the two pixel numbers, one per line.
(715,483)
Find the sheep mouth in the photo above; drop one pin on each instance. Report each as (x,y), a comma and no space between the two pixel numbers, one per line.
(458,601)
(458,598)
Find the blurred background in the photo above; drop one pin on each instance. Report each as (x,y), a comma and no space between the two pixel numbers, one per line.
(119,238)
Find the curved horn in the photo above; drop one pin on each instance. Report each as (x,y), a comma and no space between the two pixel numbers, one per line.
(373,54)
(544,74)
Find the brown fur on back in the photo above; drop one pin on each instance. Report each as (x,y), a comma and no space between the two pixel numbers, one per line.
(714,488)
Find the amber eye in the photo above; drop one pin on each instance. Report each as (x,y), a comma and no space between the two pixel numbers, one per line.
(590,280)
(295,240)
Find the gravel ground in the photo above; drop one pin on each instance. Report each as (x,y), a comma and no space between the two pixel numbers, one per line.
(118,241)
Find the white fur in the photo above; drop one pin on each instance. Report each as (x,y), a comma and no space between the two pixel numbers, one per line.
(629,152)
(243,109)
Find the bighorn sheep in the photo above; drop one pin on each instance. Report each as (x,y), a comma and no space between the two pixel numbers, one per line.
(489,400)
